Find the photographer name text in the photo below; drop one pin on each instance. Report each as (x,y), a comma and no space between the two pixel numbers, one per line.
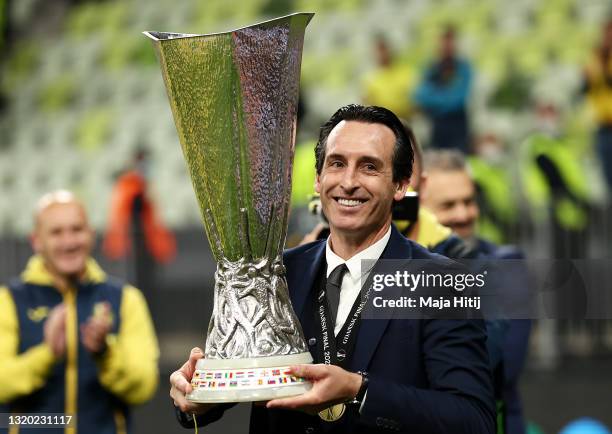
(425,302)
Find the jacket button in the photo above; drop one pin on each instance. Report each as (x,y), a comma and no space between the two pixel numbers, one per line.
(309,430)
(380,421)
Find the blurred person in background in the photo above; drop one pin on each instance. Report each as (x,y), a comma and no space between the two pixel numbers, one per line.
(421,225)
(132,210)
(491,172)
(134,226)
(418,223)
(443,95)
(450,194)
(73,340)
(598,89)
(556,182)
(387,85)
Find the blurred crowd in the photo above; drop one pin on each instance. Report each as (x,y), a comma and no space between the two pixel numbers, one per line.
(482,187)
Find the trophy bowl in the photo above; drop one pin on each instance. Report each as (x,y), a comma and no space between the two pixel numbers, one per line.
(234,101)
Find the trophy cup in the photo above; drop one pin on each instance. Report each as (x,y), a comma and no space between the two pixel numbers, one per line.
(234,100)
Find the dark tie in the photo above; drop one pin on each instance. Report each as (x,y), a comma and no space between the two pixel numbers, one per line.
(332,288)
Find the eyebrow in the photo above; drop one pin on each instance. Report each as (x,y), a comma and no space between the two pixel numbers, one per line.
(330,156)
(367,159)
(363,159)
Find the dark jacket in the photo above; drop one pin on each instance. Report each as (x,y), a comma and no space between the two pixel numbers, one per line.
(426,376)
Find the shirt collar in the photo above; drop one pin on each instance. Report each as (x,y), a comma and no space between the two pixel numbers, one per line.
(36,272)
(353,264)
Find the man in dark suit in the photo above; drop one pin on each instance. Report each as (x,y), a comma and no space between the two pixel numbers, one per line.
(382,375)
(457,208)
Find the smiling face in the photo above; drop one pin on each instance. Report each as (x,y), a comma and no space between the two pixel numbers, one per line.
(451,196)
(356,180)
(63,238)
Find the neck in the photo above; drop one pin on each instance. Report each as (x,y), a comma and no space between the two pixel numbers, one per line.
(63,282)
(347,245)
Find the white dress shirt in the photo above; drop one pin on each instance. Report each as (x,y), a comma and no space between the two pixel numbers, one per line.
(351,281)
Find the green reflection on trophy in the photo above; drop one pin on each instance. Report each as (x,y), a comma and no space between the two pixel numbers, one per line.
(234,100)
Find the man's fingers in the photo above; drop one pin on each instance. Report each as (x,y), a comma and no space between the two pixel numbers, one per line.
(186,406)
(98,326)
(311,372)
(106,307)
(307,399)
(180,401)
(57,315)
(91,333)
(178,381)
(60,311)
(54,329)
(93,337)
(104,317)
(195,355)
(181,378)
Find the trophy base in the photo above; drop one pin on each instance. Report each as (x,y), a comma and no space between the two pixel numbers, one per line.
(245,380)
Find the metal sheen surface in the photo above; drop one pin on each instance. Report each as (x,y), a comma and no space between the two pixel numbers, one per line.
(234,100)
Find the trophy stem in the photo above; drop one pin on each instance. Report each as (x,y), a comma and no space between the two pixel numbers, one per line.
(252,314)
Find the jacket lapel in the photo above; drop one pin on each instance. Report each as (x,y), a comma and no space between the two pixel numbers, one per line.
(302,283)
(371,330)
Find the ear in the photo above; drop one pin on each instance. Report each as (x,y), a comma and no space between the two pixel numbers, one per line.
(35,242)
(423,183)
(400,189)
(317,184)
(92,242)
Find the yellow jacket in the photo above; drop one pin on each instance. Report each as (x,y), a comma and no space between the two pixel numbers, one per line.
(127,370)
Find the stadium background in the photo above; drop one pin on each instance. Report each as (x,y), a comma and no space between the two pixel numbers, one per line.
(81,93)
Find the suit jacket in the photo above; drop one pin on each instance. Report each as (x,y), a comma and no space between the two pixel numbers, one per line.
(426,376)
(516,342)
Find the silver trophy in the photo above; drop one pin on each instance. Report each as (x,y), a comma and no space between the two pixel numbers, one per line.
(234,99)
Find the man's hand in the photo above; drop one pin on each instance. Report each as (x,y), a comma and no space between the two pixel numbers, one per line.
(94,331)
(180,382)
(55,330)
(331,385)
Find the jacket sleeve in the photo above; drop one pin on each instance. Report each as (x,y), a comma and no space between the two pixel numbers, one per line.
(459,399)
(20,374)
(128,367)
(213,415)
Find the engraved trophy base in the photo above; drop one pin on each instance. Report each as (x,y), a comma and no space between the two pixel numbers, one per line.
(245,380)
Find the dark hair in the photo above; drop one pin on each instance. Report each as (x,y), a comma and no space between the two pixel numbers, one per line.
(402,155)
(417,151)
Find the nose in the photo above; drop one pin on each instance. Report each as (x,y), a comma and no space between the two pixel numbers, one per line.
(349,182)
(69,239)
(462,214)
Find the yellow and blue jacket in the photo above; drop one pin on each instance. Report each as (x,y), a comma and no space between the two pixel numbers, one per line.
(599,89)
(98,389)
